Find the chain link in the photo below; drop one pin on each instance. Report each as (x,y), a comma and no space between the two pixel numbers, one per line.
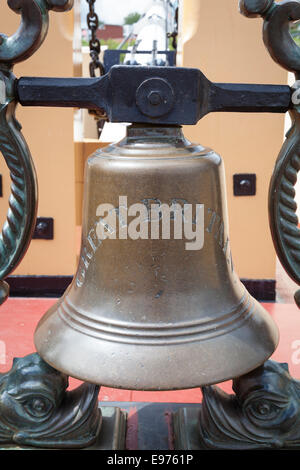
(95,50)
(94,43)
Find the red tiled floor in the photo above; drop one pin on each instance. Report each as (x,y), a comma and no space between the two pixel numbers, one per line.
(18,319)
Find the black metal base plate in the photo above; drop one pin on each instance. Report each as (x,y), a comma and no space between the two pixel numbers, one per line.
(186,429)
(111,437)
(113,430)
(187,434)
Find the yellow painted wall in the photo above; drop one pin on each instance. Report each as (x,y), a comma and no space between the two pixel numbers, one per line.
(228,47)
(49,134)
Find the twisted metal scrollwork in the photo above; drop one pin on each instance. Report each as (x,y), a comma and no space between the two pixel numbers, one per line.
(32,30)
(21,217)
(17,230)
(282,206)
(262,414)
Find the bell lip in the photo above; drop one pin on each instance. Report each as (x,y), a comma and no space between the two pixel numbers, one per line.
(126,379)
(161,389)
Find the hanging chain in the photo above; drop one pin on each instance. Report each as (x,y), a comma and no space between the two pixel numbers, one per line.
(174,34)
(95,46)
(95,63)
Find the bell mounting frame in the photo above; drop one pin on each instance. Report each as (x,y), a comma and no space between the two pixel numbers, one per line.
(151,95)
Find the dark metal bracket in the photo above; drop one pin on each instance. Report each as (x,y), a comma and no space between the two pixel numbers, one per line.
(154,95)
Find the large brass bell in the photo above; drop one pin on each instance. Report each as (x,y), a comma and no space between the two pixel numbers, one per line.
(153,312)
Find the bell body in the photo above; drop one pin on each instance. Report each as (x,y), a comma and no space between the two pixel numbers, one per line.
(153,308)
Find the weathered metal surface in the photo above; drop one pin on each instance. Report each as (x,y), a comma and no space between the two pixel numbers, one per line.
(141,308)
(18,228)
(276,29)
(111,437)
(32,30)
(37,410)
(263,414)
(282,205)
